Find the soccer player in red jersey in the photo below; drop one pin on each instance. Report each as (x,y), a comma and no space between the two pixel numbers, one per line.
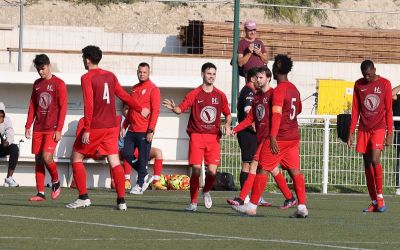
(372,104)
(283,144)
(206,103)
(47,109)
(260,114)
(141,130)
(100,132)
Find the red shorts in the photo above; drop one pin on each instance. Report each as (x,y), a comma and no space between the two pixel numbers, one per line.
(103,141)
(256,156)
(366,141)
(204,146)
(43,142)
(288,156)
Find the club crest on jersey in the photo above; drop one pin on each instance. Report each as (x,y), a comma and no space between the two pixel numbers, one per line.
(44,100)
(214,100)
(260,112)
(371,102)
(143,91)
(50,88)
(208,114)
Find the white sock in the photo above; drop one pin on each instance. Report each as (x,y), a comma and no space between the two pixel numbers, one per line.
(380,196)
(301,207)
(251,205)
(127,177)
(156,177)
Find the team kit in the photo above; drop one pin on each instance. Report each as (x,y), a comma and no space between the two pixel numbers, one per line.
(273,118)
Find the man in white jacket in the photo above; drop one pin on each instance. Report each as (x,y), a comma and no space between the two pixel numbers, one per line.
(7,147)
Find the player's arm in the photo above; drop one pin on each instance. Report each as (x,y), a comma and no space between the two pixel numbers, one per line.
(395,91)
(126,98)
(389,115)
(244,58)
(31,114)
(248,121)
(155,111)
(355,113)
(277,105)
(62,106)
(262,53)
(183,106)
(87,93)
(227,113)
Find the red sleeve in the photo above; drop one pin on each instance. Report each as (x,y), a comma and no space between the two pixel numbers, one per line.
(127,120)
(241,47)
(62,104)
(87,92)
(277,101)
(245,123)
(388,108)
(225,106)
(355,112)
(31,110)
(188,101)
(125,97)
(155,107)
(79,127)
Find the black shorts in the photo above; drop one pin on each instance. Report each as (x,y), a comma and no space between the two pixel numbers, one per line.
(248,144)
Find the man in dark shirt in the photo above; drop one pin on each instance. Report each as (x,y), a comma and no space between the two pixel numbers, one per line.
(396,112)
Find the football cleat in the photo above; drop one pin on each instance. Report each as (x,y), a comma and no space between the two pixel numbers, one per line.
(10,182)
(192,207)
(370,209)
(245,209)
(380,206)
(55,190)
(300,213)
(264,203)
(207,200)
(136,190)
(147,181)
(38,197)
(235,202)
(122,207)
(289,203)
(79,203)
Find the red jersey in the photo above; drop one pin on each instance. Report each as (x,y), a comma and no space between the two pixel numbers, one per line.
(81,123)
(372,102)
(48,105)
(285,126)
(260,113)
(148,96)
(99,88)
(206,108)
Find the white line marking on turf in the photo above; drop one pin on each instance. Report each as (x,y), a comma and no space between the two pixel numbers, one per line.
(106,239)
(293,242)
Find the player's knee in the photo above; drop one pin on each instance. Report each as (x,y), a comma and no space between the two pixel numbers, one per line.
(275,171)
(158,154)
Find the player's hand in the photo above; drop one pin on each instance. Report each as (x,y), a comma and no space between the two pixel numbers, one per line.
(149,136)
(257,51)
(28,133)
(389,139)
(169,104)
(350,140)
(273,145)
(57,136)
(228,131)
(145,112)
(5,143)
(233,133)
(122,133)
(85,138)
(251,47)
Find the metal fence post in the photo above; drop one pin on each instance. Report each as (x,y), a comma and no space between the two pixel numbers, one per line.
(325,159)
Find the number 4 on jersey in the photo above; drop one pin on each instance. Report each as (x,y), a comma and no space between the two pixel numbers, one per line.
(106,93)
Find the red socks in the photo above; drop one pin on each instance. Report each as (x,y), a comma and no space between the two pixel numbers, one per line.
(378,178)
(79,172)
(127,168)
(259,184)
(370,177)
(52,168)
(40,175)
(194,187)
(157,168)
(209,183)
(300,188)
(119,178)
(248,184)
(282,185)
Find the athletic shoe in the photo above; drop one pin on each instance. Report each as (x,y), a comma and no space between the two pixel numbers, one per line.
(289,203)
(122,207)
(264,203)
(235,202)
(158,186)
(397,191)
(79,203)
(245,209)
(147,181)
(370,209)
(128,184)
(10,182)
(300,213)
(38,197)
(380,206)
(192,207)
(207,200)
(55,190)
(112,184)
(136,190)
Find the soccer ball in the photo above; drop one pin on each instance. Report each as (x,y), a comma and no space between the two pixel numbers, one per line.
(184,182)
(174,183)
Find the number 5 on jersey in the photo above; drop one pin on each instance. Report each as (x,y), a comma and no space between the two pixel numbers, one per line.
(106,93)
(293,107)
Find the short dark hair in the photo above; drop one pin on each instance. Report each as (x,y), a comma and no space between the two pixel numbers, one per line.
(208,65)
(264,69)
(367,64)
(144,64)
(40,60)
(2,112)
(93,53)
(283,64)
(250,73)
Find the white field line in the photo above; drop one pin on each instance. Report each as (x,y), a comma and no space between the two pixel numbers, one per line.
(289,242)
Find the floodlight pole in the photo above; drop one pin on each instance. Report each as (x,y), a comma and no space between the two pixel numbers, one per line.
(235,73)
(21,27)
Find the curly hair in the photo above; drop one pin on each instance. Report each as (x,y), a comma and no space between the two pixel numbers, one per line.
(283,64)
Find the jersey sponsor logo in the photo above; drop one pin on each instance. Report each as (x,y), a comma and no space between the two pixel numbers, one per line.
(208,114)
(362,90)
(214,100)
(371,102)
(260,112)
(50,88)
(200,101)
(377,90)
(143,91)
(37,88)
(44,100)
